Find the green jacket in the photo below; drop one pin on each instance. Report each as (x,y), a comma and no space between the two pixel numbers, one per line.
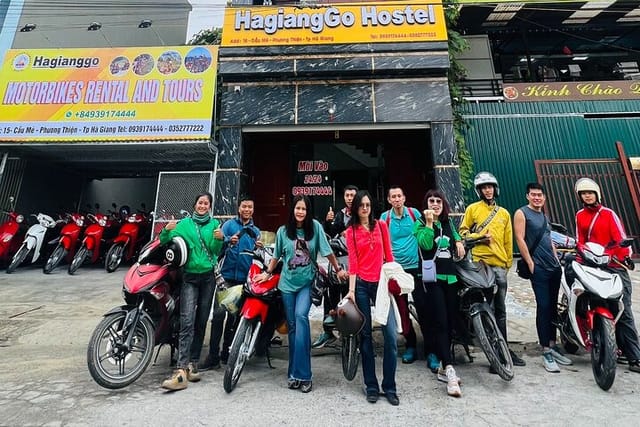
(198,260)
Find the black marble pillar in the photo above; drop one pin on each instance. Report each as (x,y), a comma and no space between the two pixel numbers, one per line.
(229,172)
(446,168)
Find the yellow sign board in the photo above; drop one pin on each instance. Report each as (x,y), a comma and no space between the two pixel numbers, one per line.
(141,93)
(334,24)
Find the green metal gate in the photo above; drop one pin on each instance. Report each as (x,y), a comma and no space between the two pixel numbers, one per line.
(559,177)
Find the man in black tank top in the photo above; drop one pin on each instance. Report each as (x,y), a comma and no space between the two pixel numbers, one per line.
(531,230)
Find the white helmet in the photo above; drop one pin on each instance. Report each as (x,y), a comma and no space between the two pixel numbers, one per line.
(587,184)
(483,178)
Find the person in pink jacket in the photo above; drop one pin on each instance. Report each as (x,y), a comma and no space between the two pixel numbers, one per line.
(369,247)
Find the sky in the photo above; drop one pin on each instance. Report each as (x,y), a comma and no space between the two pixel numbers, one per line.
(206,14)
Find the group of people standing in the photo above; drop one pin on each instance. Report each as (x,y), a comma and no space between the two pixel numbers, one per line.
(403,235)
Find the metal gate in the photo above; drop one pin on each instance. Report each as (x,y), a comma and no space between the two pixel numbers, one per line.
(559,177)
(11,172)
(176,192)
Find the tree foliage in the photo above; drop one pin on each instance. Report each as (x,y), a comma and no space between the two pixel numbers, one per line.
(211,36)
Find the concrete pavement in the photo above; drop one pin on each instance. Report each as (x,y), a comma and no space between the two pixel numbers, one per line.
(46,322)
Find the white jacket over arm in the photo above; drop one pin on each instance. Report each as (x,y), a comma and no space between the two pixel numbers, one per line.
(384,300)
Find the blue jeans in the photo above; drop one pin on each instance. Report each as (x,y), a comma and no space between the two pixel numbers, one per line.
(196,296)
(546,284)
(296,310)
(365,293)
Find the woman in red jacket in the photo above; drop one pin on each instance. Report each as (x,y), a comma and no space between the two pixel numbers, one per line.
(369,247)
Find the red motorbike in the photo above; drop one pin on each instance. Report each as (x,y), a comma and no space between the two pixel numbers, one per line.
(9,242)
(130,237)
(92,242)
(261,302)
(67,242)
(121,346)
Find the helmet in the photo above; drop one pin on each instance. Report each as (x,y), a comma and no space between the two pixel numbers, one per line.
(176,252)
(587,184)
(483,178)
(349,319)
(124,211)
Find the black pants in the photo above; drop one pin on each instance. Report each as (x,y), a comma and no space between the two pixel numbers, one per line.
(441,306)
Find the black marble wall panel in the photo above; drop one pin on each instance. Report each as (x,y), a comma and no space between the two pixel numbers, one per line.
(229,147)
(258,105)
(335,103)
(382,64)
(247,66)
(226,193)
(448,181)
(334,65)
(443,144)
(412,101)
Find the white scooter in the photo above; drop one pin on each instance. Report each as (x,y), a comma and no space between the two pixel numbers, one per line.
(33,241)
(585,312)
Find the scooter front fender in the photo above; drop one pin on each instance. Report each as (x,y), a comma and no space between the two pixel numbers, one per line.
(254,307)
(598,311)
(478,307)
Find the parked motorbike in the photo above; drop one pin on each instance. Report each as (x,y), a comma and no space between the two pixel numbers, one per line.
(9,232)
(586,309)
(261,301)
(130,237)
(476,318)
(121,346)
(67,241)
(32,243)
(92,241)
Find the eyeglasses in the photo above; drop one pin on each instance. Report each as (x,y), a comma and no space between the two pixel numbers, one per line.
(434,201)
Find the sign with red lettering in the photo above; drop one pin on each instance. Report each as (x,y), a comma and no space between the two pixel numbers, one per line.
(312,179)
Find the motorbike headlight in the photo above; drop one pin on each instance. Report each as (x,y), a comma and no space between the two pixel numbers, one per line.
(102,222)
(597,259)
(132,218)
(79,222)
(7,238)
(19,219)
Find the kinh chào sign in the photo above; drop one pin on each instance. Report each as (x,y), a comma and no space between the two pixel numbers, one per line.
(339,24)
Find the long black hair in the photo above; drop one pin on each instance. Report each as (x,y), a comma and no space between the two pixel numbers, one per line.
(307,224)
(204,194)
(355,205)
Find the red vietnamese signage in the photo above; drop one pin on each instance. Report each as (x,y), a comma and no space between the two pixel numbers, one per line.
(571,91)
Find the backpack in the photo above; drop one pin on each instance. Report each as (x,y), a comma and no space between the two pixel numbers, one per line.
(411,214)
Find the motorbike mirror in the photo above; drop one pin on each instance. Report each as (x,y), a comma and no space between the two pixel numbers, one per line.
(11,199)
(114,205)
(558,227)
(626,242)
(97,205)
(185,214)
(143,206)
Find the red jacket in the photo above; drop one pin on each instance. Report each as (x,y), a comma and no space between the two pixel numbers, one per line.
(607,228)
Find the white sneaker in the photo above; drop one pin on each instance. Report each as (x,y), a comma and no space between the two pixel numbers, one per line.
(453,382)
(559,357)
(549,364)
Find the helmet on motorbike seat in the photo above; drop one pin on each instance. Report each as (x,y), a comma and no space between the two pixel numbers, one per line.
(124,211)
(483,178)
(177,252)
(587,184)
(349,319)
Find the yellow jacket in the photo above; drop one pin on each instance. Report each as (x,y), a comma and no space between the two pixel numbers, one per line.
(499,253)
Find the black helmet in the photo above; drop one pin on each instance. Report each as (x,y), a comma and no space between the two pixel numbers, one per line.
(349,319)
(176,252)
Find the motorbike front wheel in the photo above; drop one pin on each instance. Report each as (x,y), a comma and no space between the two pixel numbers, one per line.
(54,260)
(78,260)
(111,363)
(493,344)
(350,357)
(239,354)
(18,258)
(603,352)
(114,257)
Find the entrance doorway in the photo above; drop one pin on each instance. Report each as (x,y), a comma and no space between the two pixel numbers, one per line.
(321,163)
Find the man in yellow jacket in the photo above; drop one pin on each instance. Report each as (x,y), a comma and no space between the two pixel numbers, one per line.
(485,217)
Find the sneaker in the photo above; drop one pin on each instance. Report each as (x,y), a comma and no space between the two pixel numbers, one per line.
(329,321)
(549,363)
(373,396)
(306,386)
(433,362)
(209,363)
(453,382)
(192,372)
(442,375)
(517,361)
(323,339)
(392,398)
(559,357)
(293,384)
(634,366)
(409,355)
(178,380)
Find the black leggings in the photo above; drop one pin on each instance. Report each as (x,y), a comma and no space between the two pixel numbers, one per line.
(441,306)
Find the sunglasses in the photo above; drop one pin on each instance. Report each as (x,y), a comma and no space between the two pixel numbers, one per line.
(434,201)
